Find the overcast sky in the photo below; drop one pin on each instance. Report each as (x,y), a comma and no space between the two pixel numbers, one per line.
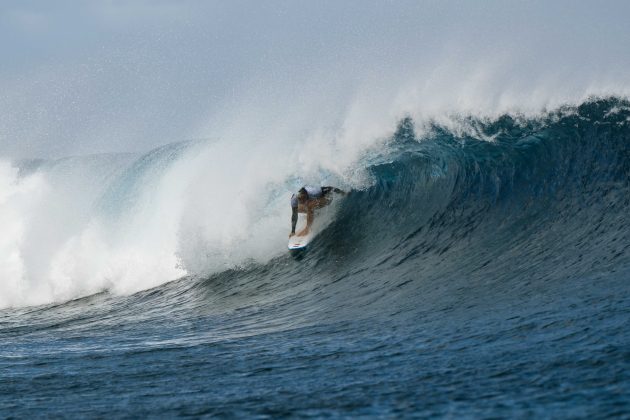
(80,77)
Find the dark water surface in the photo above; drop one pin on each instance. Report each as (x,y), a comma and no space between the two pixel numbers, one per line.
(475,278)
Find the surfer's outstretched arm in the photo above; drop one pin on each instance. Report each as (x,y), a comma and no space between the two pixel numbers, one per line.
(333,189)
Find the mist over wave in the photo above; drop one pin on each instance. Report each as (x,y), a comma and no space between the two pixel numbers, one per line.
(288,69)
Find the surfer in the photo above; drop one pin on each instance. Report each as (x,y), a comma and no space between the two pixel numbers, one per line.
(306,201)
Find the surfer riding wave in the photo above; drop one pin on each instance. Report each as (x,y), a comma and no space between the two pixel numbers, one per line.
(308,199)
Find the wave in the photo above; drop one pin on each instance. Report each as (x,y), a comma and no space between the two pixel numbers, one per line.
(548,195)
(488,200)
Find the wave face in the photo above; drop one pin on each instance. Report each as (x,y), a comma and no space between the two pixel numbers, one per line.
(478,267)
(502,201)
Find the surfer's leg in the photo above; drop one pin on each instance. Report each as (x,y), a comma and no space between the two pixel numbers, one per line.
(310,216)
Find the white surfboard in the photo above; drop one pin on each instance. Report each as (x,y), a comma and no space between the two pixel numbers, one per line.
(300,242)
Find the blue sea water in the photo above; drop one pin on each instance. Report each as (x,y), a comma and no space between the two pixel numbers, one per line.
(482,274)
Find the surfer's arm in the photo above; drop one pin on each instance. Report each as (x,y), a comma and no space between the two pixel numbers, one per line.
(333,189)
(294,219)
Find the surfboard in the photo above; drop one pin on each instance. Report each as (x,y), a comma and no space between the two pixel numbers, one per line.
(299,242)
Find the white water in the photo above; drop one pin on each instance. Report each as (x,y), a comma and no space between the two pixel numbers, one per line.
(125,223)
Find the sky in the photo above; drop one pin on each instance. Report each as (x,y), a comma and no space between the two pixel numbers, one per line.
(83,77)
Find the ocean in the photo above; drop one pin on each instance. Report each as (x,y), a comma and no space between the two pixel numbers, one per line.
(478,269)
